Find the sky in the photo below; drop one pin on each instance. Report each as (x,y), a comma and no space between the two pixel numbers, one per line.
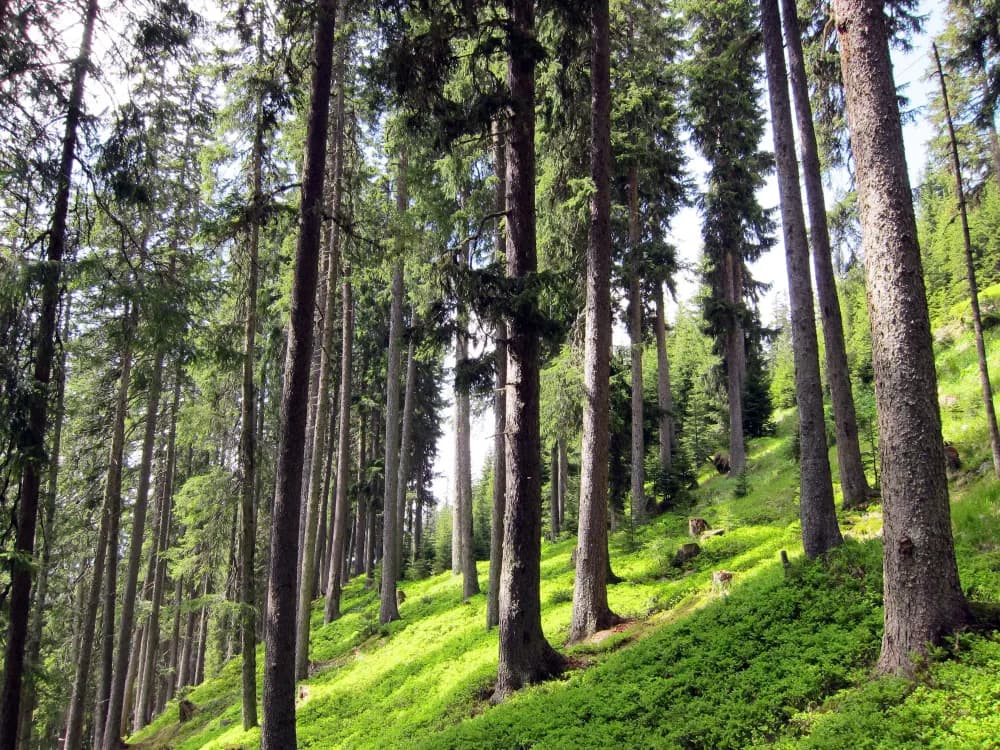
(911,73)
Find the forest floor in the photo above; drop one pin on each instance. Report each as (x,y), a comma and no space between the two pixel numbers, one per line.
(782,658)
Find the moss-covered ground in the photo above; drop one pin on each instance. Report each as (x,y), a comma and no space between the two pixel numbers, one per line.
(783,659)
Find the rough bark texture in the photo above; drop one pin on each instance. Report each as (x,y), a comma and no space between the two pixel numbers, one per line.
(388,607)
(970,274)
(33,445)
(923,597)
(816,507)
(342,507)
(109,508)
(278,731)
(664,396)
(853,484)
(638,474)
(116,702)
(590,591)
(525,655)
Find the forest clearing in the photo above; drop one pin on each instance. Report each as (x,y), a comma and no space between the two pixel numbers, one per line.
(499,374)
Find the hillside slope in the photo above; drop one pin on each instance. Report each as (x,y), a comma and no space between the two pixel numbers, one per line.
(781,659)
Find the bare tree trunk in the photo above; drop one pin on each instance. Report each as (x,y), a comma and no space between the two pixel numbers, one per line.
(590,591)
(563,479)
(970,271)
(388,608)
(499,478)
(853,483)
(136,656)
(198,657)
(923,596)
(33,443)
(405,448)
(817,511)
(342,507)
(110,508)
(361,522)
(638,475)
(278,731)
(554,491)
(463,455)
(46,539)
(418,518)
(664,397)
(525,655)
(173,652)
(148,673)
(113,722)
(736,364)
(184,660)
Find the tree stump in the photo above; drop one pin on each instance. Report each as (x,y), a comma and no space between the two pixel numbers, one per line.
(186,710)
(697,526)
(687,552)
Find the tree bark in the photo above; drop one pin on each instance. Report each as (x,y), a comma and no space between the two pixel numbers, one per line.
(817,511)
(664,396)
(970,272)
(278,731)
(405,447)
(854,484)
(113,720)
(388,608)
(525,655)
(173,652)
(554,491)
(638,475)
(33,445)
(923,596)
(342,507)
(110,508)
(563,479)
(590,591)
(736,363)
(463,455)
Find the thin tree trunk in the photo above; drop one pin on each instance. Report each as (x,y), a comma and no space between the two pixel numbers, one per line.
(854,485)
(342,507)
(970,272)
(113,720)
(198,660)
(664,397)
(46,539)
(184,661)
(136,656)
(638,475)
(110,509)
(148,673)
(923,596)
(554,492)
(175,641)
(525,655)
(817,511)
(405,446)
(736,364)
(33,443)
(463,455)
(418,519)
(590,591)
(361,522)
(563,479)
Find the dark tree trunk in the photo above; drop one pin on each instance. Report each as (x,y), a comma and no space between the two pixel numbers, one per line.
(110,509)
(590,592)
(923,597)
(664,397)
(113,720)
(463,455)
(278,731)
(173,652)
(563,479)
(970,272)
(33,442)
(361,521)
(638,469)
(388,608)
(817,511)
(554,491)
(525,655)
(854,485)
(736,362)
(405,447)
(342,507)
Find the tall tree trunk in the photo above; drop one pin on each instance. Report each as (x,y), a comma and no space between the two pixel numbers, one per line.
(499,504)
(33,443)
(361,521)
(923,596)
(463,455)
(854,485)
(278,731)
(736,363)
(664,397)
(113,720)
(418,518)
(198,656)
(563,479)
(110,508)
(46,537)
(388,608)
(148,673)
(321,422)
(405,446)
(590,591)
(638,475)
(817,511)
(187,645)
(342,506)
(970,272)
(173,652)
(525,655)
(554,491)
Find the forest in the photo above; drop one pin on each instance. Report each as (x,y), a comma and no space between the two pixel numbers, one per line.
(412,374)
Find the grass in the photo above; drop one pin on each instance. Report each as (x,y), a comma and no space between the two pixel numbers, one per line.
(783,661)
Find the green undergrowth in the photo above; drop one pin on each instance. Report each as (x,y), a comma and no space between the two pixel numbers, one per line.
(783,658)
